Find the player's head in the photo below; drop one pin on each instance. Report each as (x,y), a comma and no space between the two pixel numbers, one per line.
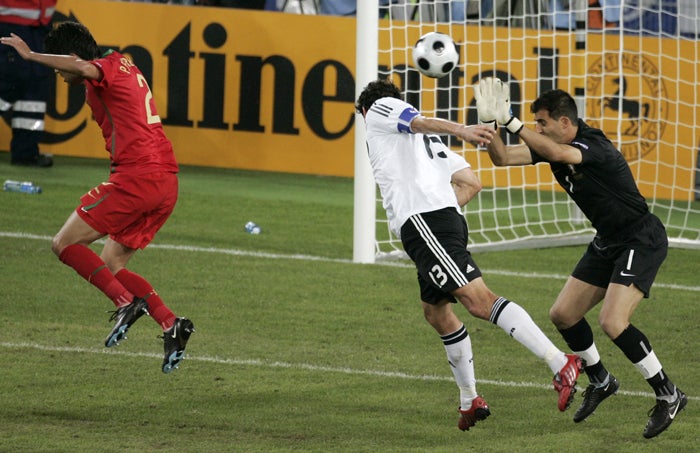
(558,103)
(72,38)
(556,116)
(378,89)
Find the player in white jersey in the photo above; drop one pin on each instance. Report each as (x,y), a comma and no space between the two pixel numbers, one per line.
(423,186)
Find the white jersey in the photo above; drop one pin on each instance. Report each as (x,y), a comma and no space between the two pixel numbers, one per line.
(413,171)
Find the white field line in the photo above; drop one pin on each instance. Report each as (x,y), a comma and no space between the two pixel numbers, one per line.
(299,366)
(236,252)
(304,366)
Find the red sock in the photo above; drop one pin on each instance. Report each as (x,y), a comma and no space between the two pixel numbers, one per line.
(91,267)
(156,307)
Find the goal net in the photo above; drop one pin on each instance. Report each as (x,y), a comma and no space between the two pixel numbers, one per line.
(632,69)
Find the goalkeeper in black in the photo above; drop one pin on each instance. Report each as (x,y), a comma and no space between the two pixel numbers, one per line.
(620,263)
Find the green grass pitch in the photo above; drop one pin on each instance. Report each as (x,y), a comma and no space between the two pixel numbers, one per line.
(296,348)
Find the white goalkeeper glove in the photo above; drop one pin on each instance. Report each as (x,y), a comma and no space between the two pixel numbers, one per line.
(493,104)
(504,112)
(485,101)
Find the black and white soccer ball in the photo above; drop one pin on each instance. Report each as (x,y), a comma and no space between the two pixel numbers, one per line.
(435,54)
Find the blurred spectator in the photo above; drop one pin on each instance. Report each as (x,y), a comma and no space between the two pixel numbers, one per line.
(600,14)
(689,22)
(655,17)
(562,18)
(612,11)
(466,10)
(24,86)
(408,10)
(339,7)
(298,6)
(603,13)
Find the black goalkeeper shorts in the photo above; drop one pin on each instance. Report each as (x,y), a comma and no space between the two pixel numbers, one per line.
(630,258)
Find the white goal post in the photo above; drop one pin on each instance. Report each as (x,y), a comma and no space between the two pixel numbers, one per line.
(632,66)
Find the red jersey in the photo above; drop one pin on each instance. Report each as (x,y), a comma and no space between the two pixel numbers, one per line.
(123,106)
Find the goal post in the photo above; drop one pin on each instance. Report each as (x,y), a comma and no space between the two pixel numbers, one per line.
(364,204)
(632,70)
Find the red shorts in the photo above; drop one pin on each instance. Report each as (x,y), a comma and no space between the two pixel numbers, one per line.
(130,209)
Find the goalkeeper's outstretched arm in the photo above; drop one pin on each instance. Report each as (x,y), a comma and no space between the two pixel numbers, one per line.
(549,140)
(504,156)
(551,150)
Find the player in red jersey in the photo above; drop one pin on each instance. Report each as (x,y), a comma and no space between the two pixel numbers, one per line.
(140,193)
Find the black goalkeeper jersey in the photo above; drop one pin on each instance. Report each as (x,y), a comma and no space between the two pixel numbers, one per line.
(602,185)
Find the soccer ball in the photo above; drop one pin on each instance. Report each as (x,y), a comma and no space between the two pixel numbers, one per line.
(435,54)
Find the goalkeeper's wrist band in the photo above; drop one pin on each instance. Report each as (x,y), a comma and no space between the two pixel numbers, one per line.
(514,125)
(492,123)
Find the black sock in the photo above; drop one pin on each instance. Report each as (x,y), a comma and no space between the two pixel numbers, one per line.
(579,337)
(635,345)
(662,385)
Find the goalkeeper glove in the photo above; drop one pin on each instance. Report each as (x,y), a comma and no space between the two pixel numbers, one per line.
(485,101)
(493,104)
(504,112)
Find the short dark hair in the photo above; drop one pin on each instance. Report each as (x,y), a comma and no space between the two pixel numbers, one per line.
(72,38)
(558,103)
(380,88)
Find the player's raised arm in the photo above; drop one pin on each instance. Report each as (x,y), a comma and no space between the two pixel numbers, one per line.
(63,63)
(476,134)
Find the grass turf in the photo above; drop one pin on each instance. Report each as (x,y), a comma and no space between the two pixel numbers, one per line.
(296,349)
